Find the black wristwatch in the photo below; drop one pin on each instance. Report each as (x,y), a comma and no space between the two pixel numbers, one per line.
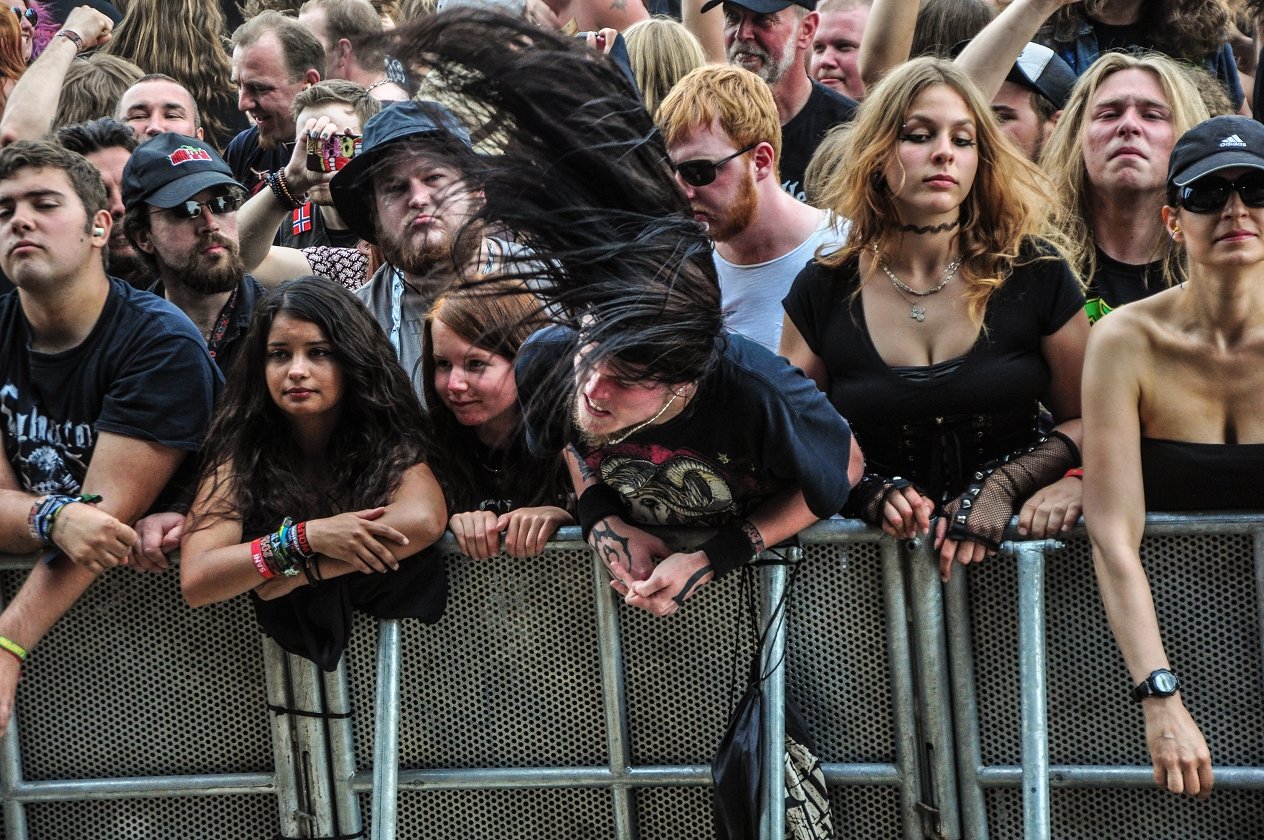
(1160,683)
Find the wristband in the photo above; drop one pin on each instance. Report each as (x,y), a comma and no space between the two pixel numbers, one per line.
(595,504)
(13,648)
(73,37)
(1076,472)
(728,549)
(261,566)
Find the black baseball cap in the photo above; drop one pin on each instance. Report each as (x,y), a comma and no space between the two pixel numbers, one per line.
(172,168)
(1040,69)
(763,7)
(1215,144)
(351,190)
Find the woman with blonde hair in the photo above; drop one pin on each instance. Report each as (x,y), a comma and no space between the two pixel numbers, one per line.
(661,52)
(946,320)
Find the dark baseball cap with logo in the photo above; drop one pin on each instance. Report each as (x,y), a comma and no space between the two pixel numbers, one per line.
(1216,144)
(172,168)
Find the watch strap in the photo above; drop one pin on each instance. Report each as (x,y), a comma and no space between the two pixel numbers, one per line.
(1149,686)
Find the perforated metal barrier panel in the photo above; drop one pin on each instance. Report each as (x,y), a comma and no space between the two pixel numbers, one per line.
(134,684)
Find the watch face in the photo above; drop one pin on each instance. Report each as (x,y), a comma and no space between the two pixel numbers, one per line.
(1164,682)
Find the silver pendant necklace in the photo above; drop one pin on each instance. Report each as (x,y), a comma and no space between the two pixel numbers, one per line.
(916,311)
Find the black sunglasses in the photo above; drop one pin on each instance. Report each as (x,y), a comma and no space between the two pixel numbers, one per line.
(699,173)
(219,205)
(32,16)
(1211,194)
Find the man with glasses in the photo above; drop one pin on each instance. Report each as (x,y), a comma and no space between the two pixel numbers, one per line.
(104,391)
(182,202)
(724,139)
(771,38)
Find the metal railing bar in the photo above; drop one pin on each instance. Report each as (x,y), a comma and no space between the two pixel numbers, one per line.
(965,706)
(145,787)
(1101,776)
(900,657)
(1030,557)
(385,782)
(512,778)
(775,615)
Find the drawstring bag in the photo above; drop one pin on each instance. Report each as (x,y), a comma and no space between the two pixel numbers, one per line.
(737,769)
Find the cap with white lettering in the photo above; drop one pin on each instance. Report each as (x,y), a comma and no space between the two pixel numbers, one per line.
(1216,144)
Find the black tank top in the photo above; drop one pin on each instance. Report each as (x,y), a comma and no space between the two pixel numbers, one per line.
(1179,475)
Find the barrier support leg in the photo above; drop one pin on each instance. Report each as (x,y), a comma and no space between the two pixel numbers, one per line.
(965,708)
(614,700)
(932,668)
(386,732)
(773,821)
(284,752)
(340,743)
(1035,706)
(10,776)
(899,653)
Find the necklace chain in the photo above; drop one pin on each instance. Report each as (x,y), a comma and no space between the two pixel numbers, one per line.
(916,312)
(621,438)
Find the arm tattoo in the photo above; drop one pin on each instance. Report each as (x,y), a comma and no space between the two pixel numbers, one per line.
(584,471)
(609,544)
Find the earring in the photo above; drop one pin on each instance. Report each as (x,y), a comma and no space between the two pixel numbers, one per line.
(98,231)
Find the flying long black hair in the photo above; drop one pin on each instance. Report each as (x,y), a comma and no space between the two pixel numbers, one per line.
(583,179)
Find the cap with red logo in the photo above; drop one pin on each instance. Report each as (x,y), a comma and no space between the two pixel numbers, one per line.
(172,168)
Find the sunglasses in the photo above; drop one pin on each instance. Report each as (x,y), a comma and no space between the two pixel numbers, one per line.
(1211,194)
(219,205)
(699,173)
(32,16)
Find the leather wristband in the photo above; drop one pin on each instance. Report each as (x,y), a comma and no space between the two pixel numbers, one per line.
(728,549)
(595,504)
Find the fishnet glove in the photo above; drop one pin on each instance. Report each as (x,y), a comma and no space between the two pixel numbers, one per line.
(981,513)
(867,497)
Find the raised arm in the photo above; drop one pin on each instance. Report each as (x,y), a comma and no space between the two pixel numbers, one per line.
(32,104)
(128,474)
(707,28)
(216,565)
(888,38)
(1114,510)
(990,55)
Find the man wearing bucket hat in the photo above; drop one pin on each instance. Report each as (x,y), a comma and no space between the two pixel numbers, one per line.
(181,205)
(407,192)
(771,38)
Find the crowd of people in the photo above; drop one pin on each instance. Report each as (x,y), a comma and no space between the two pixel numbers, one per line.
(499,266)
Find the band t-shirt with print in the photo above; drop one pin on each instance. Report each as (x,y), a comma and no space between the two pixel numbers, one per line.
(142,372)
(756,426)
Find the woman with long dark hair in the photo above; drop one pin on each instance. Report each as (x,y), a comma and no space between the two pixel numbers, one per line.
(494,486)
(315,470)
(945,321)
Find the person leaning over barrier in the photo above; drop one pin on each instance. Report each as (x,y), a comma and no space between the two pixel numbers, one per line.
(104,389)
(315,470)
(666,419)
(1174,411)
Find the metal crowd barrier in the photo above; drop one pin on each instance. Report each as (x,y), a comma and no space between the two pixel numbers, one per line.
(539,707)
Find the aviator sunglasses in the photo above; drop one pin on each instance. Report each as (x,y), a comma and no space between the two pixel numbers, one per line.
(219,206)
(32,16)
(700,172)
(1210,194)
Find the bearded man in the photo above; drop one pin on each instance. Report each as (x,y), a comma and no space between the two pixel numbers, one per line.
(181,205)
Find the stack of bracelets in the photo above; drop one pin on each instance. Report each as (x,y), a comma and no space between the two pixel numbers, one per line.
(285,553)
(281,189)
(44,512)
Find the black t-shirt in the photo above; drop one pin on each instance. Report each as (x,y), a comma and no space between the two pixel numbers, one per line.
(1115,283)
(755,426)
(989,400)
(824,109)
(143,372)
(306,228)
(225,350)
(249,161)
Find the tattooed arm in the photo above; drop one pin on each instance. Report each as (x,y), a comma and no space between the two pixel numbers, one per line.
(628,552)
